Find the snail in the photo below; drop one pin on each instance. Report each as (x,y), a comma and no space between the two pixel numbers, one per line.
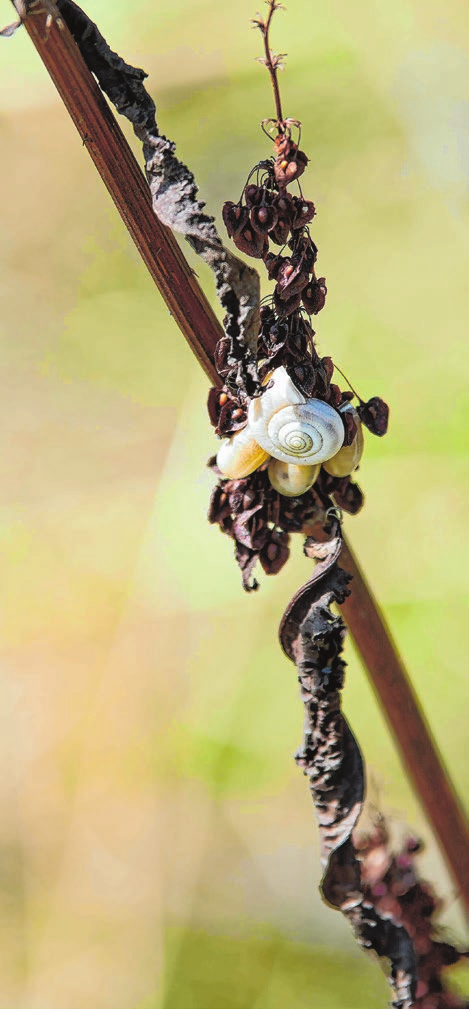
(291,427)
(290,479)
(240,455)
(347,458)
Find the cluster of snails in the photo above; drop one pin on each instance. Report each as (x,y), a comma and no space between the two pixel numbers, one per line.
(286,428)
(290,437)
(296,434)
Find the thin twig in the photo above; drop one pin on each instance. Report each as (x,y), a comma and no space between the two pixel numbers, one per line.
(272,68)
(126,184)
(407,722)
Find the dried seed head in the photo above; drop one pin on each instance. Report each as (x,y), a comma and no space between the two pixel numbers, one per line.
(374,415)
(314,296)
(289,164)
(292,278)
(235,217)
(304,212)
(253,195)
(285,306)
(263,219)
(280,233)
(251,242)
(272,265)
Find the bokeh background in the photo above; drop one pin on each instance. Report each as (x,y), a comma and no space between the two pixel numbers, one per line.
(158,846)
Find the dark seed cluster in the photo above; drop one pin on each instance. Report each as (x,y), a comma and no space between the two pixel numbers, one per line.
(392,885)
(271,224)
(260,520)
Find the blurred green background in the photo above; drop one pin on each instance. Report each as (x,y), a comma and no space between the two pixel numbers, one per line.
(158,846)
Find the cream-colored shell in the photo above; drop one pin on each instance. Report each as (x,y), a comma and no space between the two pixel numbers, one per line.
(290,479)
(240,455)
(347,458)
(292,428)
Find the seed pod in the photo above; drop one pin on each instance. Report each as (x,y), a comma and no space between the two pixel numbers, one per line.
(290,167)
(292,278)
(285,306)
(235,217)
(281,231)
(304,212)
(272,264)
(251,242)
(253,195)
(314,296)
(263,218)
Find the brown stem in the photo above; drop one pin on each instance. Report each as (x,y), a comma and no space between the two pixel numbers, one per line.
(273,70)
(126,184)
(407,722)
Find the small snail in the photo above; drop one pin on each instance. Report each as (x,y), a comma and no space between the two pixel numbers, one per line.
(290,479)
(240,455)
(347,458)
(293,428)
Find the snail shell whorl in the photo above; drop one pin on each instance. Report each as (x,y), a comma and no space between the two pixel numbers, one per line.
(347,458)
(240,455)
(292,428)
(290,479)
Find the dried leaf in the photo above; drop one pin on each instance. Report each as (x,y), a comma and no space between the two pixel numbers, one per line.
(10,29)
(312,636)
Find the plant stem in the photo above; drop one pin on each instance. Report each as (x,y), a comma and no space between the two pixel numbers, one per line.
(407,722)
(273,70)
(126,184)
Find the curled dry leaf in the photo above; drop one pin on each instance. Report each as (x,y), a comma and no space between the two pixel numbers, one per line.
(312,636)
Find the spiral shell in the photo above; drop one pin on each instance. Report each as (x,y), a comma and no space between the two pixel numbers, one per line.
(240,455)
(347,458)
(292,428)
(290,479)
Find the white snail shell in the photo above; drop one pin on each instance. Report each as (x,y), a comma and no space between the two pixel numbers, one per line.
(292,428)
(290,479)
(348,457)
(240,455)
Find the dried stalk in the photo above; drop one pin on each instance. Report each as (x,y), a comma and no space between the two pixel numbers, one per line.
(272,62)
(126,184)
(401,708)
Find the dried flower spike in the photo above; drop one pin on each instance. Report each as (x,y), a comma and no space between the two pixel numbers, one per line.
(293,435)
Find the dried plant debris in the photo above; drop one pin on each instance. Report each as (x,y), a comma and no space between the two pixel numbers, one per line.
(260,521)
(391,910)
(312,636)
(173,190)
(306,404)
(392,885)
(297,435)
